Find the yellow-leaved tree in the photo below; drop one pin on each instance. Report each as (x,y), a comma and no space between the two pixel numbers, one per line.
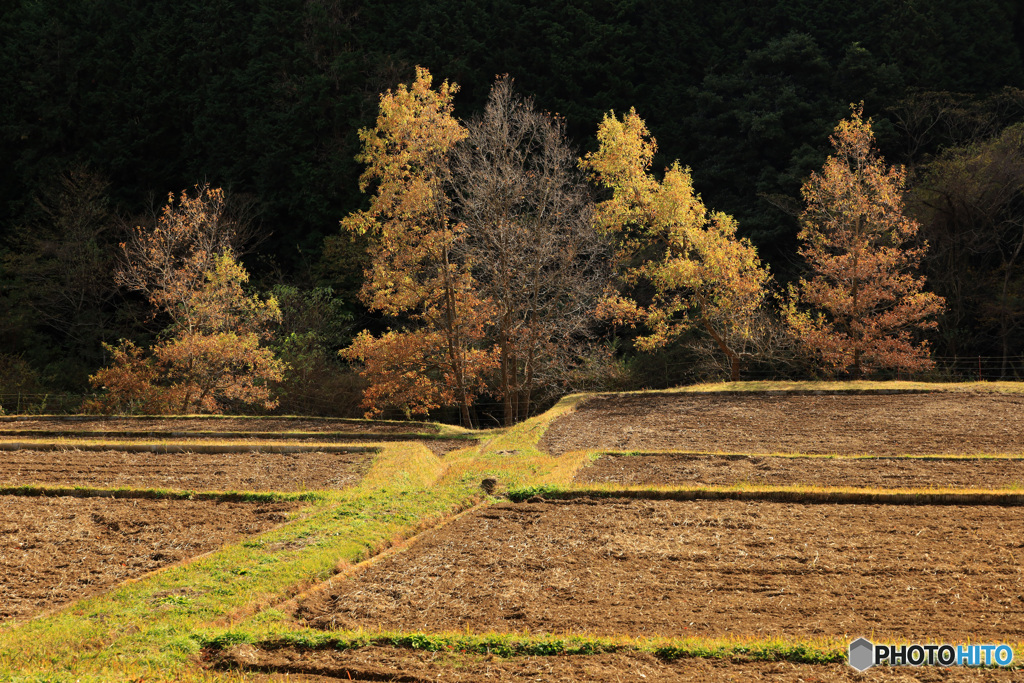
(483,246)
(437,359)
(694,268)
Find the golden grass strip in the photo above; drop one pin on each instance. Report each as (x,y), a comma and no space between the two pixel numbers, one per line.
(854,387)
(279,436)
(814,388)
(185,446)
(781,494)
(596,453)
(160,494)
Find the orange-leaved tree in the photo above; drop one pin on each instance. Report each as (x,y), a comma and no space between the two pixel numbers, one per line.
(210,355)
(437,360)
(857,311)
(697,272)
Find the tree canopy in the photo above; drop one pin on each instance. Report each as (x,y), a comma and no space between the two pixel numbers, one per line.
(699,272)
(865,297)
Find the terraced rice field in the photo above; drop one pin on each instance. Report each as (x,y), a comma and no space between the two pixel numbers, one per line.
(76,520)
(663,536)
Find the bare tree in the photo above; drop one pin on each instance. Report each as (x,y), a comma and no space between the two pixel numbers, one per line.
(971,204)
(529,241)
(929,119)
(62,259)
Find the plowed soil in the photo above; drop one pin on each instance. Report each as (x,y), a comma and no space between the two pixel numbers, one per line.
(688,469)
(898,424)
(700,569)
(185,471)
(390,664)
(56,550)
(215,424)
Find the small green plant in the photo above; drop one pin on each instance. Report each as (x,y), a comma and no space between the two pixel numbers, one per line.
(518,495)
(176,600)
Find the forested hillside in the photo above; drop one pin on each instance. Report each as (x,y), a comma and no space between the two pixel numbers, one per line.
(110,106)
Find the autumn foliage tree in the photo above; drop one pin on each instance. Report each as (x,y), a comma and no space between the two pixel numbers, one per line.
(210,355)
(857,311)
(436,360)
(483,241)
(681,266)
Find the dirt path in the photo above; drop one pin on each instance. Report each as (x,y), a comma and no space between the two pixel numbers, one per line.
(185,471)
(687,469)
(700,569)
(897,424)
(56,550)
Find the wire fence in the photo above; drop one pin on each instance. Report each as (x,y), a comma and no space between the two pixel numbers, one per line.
(22,403)
(981,368)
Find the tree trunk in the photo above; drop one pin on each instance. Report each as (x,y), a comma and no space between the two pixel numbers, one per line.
(1004,322)
(513,389)
(455,349)
(734,359)
(855,314)
(506,383)
(527,391)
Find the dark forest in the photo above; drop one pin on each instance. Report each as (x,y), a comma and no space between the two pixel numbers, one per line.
(110,107)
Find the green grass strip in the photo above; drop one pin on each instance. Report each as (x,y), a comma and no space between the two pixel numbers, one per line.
(525,645)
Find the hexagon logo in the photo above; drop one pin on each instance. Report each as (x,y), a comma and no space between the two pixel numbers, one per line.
(861,655)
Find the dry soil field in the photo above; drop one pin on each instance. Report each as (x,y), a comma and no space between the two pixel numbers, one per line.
(591,566)
(717,569)
(186,425)
(882,472)
(254,471)
(699,568)
(891,424)
(54,550)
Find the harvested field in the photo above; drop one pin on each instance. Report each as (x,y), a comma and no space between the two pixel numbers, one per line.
(56,550)
(185,471)
(393,664)
(896,424)
(680,569)
(210,424)
(224,446)
(689,469)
